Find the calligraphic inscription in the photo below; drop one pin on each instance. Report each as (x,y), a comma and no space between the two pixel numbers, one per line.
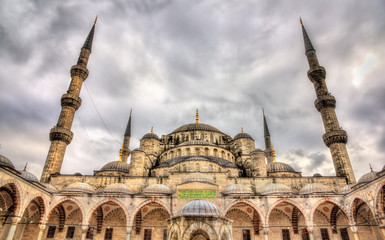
(197,194)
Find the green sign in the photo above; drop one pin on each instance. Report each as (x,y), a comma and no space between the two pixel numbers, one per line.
(197,194)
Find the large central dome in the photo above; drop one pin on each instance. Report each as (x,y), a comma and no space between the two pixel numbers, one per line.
(196,127)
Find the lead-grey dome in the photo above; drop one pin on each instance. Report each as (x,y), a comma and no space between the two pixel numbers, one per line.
(196,127)
(276,188)
(5,162)
(242,135)
(150,135)
(199,208)
(29,176)
(116,166)
(79,187)
(116,188)
(157,189)
(279,167)
(197,177)
(368,177)
(314,188)
(238,190)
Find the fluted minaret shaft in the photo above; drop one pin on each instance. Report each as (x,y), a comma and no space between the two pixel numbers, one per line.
(61,134)
(335,138)
(268,147)
(126,140)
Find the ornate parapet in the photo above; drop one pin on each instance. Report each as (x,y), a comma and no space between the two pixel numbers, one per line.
(317,74)
(71,100)
(325,101)
(79,71)
(61,134)
(338,136)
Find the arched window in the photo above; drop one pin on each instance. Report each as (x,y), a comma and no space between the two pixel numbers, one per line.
(171,154)
(197,167)
(197,151)
(223,155)
(179,153)
(206,151)
(188,152)
(215,152)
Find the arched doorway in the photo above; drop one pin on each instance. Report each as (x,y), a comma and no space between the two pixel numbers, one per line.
(9,202)
(199,235)
(330,221)
(363,217)
(28,226)
(108,221)
(64,221)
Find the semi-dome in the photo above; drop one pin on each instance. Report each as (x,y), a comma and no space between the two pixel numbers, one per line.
(368,177)
(314,188)
(242,135)
(276,188)
(29,176)
(279,167)
(196,127)
(197,177)
(116,166)
(157,189)
(150,135)
(79,187)
(238,190)
(116,188)
(199,208)
(5,162)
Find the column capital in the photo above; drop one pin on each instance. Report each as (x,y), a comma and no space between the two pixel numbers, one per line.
(42,226)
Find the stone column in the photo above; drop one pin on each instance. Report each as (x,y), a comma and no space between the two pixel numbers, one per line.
(355,232)
(266,233)
(129,230)
(41,231)
(310,230)
(382,228)
(84,232)
(12,229)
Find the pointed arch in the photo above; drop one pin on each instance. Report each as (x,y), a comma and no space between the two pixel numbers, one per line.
(106,200)
(62,200)
(16,194)
(294,204)
(319,202)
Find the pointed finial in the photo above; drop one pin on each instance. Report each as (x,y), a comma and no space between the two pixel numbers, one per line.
(300,20)
(197,116)
(96,19)
(273,153)
(371,169)
(127,133)
(241,129)
(152,130)
(265,127)
(25,167)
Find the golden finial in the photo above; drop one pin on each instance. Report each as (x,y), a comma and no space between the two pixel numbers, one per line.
(96,19)
(241,129)
(300,20)
(130,111)
(273,153)
(197,116)
(120,153)
(152,130)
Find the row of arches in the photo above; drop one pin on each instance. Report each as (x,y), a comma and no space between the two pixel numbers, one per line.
(197,151)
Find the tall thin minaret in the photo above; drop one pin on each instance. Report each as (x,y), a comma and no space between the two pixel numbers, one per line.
(335,138)
(126,140)
(61,135)
(268,147)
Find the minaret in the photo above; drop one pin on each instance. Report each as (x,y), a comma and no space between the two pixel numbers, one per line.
(335,138)
(61,135)
(126,141)
(268,148)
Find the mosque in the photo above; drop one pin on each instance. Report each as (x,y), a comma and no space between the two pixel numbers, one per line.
(195,183)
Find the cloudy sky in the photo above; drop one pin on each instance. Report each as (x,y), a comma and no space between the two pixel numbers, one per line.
(166,58)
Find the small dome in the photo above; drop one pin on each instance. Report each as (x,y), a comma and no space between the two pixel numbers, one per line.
(345,189)
(77,174)
(238,189)
(137,150)
(117,166)
(50,187)
(79,187)
(116,188)
(370,176)
(5,162)
(312,188)
(242,135)
(157,189)
(317,175)
(257,150)
(276,188)
(197,177)
(199,208)
(279,167)
(150,135)
(196,127)
(29,176)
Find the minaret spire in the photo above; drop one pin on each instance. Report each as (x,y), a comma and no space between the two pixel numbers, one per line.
(268,147)
(335,138)
(125,150)
(61,134)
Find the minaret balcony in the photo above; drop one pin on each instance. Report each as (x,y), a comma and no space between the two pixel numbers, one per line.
(79,71)
(338,136)
(325,101)
(71,100)
(61,134)
(317,74)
